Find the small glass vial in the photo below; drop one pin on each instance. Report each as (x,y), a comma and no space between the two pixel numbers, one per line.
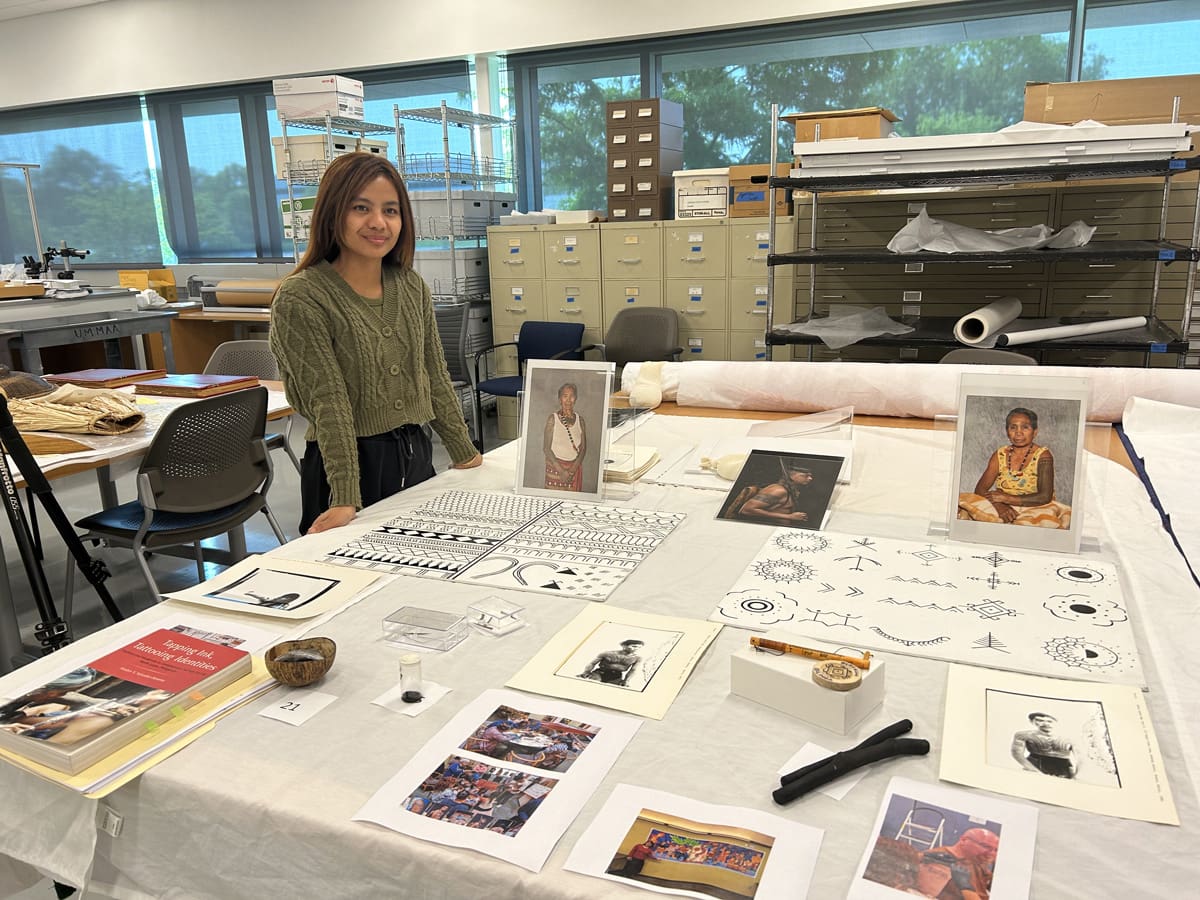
(410,678)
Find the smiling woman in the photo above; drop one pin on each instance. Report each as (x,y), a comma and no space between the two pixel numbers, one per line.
(359,352)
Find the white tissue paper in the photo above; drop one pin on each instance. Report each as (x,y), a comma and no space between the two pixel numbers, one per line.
(847,324)
(923,232)
(8,272)
(150,299)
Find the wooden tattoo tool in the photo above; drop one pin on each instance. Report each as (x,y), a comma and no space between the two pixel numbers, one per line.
(760,643)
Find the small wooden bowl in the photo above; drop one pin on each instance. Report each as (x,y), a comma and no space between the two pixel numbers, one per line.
(299,672)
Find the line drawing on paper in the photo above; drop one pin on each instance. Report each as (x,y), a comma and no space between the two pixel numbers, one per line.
(1080,574)
(1082,608)
(783,570)
(993,581)
(858,561)
(818,616)
(802,542)
(915,605)
(990,609)
(907,643)
(989,642)
(995,559)
(921,581)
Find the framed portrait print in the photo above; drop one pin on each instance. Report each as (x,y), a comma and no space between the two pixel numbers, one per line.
(1018,461)
(564,428)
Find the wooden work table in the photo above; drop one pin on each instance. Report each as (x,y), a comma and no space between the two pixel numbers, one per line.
(196,333)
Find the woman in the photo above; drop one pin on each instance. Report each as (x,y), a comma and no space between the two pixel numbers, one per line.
(564,442)
(1017,487)
(359,354)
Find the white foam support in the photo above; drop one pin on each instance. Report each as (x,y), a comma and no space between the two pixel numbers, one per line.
(882,389)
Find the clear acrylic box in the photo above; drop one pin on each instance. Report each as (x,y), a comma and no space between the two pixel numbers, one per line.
(429,629)
(494,616)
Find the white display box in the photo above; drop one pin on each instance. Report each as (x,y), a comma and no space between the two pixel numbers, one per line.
(701,193)
(785,683)
(503,204)
(470,273)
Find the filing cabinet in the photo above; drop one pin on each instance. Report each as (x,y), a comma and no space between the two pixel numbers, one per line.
(696,249)
(644,140)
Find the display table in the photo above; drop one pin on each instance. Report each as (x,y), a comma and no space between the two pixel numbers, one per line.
(78,328)
(261,807)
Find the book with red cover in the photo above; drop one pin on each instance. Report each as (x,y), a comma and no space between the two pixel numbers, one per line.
(104,378)
(85,714)
(195,385)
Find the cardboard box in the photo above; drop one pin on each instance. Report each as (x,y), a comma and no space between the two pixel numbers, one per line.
(318,96)
(161,280)
(701,193)
(749,199)
(842,124)
(1117,101)
(11,291)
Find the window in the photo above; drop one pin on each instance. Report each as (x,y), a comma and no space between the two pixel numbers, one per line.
(92,189)
(567,102)
(1139,40)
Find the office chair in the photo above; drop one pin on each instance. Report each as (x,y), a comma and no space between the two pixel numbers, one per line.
(984,356)
(253,357)
(206,472)
(535,340)
(453,320)
(642,334)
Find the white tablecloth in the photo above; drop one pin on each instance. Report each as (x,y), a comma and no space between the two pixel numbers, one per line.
(260,808)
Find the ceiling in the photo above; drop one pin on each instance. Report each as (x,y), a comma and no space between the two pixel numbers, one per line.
(16,9)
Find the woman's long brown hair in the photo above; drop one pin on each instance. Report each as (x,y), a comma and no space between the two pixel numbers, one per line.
(342,182)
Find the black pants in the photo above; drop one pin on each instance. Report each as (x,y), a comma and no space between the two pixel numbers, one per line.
(387,464)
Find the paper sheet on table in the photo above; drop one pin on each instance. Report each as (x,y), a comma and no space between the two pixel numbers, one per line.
(846,325)
(923,232)
(809,424)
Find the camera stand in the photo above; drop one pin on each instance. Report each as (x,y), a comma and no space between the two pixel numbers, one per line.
(52,632)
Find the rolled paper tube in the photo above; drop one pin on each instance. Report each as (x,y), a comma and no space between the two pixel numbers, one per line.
(1015,338)
(979,326)
(847,761)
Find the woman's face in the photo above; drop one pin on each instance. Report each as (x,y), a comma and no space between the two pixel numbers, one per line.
(373,222)
(566,400)
(1021,432)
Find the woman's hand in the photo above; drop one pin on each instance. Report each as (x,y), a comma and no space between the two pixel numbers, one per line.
(1004,511)
(334,517)
(476,460)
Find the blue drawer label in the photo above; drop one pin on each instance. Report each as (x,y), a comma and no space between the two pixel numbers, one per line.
(1158,348)
(1166,254)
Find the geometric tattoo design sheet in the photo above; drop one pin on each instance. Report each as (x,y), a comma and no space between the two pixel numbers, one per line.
(501,540)
(1007,609)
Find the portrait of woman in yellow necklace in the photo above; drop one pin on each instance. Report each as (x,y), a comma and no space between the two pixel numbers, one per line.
(1017,487)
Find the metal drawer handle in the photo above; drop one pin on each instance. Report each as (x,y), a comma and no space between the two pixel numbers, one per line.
(833,296)
(1107,234)
(568,262)
(1003,204)
(1000,265)
(837,240)
(835,209)
(1002,219)
(1102,265)
(692,259)
(631,261)
(1097,296)
(756,312)
(1107,218)
(519,309)
(570,312)
(513,262)
(758,257)
(828,225)
(692,312)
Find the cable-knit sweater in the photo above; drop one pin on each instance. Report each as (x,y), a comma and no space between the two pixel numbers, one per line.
(355,372)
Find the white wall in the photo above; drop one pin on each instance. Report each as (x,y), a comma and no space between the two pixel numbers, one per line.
(133,46)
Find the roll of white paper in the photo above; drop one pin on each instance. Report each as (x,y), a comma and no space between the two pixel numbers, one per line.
(1053,333)
(980,326)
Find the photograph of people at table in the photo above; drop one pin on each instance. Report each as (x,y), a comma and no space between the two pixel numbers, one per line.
(791,490)
(466,792)
(544,742)
(1017,486)
(359,352)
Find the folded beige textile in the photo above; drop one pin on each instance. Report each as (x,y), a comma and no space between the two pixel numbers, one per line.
(77,410)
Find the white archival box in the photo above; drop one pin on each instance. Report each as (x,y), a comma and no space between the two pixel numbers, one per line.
(784,682)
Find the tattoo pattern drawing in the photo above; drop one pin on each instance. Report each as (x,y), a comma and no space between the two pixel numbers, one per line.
(545,545)
(925,598)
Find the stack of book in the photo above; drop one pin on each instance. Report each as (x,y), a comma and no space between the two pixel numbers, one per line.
(195,385)
(626,465)
(105,378)
(83,715)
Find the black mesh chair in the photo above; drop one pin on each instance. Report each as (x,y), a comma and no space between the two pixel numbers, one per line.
(535,340)
(642,334)
(253,357)
(453,321)
(206,473)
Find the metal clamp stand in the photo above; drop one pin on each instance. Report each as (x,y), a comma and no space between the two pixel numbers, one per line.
(52,632)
